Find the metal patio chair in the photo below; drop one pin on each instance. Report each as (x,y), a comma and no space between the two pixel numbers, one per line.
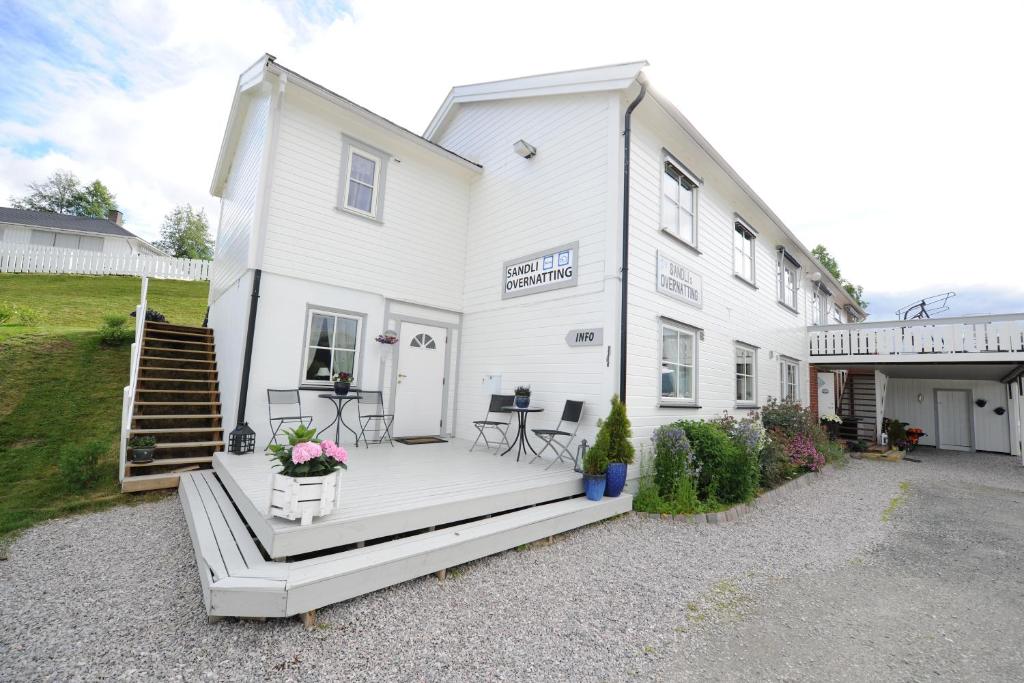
(286,415)
(499,424)
(560,439)
(371,409)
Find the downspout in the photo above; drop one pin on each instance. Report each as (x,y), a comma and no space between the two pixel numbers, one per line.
(623,309)
(254,302)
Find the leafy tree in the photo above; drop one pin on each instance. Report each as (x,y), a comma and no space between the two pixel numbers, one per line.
(830,264)
(64,193)
(185,233)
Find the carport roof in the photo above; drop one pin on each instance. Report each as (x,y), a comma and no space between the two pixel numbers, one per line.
(983,371)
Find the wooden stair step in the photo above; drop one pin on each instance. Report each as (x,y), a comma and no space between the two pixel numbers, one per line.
(177,360)
(153,482)
(175,326)
(178,403)
(140,390)
(148,338)
(178,333)
(162,369)
(188,444)
(157,462)
(182,416)
(176,379)
(174,430)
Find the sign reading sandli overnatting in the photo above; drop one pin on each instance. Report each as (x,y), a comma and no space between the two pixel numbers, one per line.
(679,282)
(541,271)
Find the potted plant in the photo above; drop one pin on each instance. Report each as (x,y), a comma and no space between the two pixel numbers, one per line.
(522,396)
(387,339)
(595,465)
(142,448)
(342,383)
(613,437)
(831,423)
(309,482)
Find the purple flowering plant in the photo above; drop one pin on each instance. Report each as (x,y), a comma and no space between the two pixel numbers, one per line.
(803,453)
(305,456)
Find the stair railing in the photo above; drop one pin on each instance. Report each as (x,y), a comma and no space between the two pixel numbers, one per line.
(128,395)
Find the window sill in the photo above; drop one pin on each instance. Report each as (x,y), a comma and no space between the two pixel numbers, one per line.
(669,404)
(747,406)
(788,307)
(359,214)
(745,281)
(679,240)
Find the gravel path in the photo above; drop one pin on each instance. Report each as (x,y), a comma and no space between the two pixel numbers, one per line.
(116,594)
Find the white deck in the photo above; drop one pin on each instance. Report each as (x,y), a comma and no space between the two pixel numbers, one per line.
(388,491)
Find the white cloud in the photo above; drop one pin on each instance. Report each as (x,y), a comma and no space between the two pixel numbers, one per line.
(888,131)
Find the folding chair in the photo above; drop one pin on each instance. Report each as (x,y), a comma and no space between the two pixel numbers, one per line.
(570,417)
(371,408)
(500,425)
(285,397)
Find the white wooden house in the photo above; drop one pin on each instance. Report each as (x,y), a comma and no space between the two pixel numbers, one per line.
(79,233)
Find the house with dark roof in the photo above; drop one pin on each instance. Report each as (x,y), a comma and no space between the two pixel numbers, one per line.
(46,229)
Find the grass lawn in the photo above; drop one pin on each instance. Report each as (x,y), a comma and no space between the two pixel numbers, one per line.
(60,387)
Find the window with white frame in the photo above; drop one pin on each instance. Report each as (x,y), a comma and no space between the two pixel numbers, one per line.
(789,279)
(743,251)
(837,315)
(679,201)
(820,299)
(678,363)
(362,179)
(789,379)
(332,345)
(746,375)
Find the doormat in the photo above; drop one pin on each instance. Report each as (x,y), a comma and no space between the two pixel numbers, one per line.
(418,440)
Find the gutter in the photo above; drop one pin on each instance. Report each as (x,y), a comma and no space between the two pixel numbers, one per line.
(627,130)
(254,303)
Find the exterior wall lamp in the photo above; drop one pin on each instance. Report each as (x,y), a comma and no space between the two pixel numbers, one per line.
(524,149)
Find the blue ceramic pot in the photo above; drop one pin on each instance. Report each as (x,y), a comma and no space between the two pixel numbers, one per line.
(594,484)
(616,479)
(522,401)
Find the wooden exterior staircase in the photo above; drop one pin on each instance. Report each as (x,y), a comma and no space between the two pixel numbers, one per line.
(176,401)
(857,406)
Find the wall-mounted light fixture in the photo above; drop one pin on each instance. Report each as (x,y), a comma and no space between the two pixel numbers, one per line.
(524,149)
(920,398)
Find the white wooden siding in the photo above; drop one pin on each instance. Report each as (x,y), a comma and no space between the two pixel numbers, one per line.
(418,252)
(238,203)
(229,320)
(732,309)
(11,234)
(991,431)
(520,206)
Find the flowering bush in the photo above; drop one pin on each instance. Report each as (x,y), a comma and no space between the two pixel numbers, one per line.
(832,417)
(803,453)
(304,456)
(673,459)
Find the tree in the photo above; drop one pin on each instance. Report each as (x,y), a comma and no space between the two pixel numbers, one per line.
(830,264)
(185,233)
(63,193)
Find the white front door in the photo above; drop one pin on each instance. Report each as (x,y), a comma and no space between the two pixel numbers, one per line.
(420,385)
(826,394)
(954,415)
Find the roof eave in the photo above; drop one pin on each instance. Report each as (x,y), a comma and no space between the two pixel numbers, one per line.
(248,79)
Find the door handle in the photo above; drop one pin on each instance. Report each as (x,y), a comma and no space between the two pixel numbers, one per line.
(400,375)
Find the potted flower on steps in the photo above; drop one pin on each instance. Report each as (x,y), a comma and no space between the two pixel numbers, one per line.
(309,483)
(143,448)
(522,396)
(614,445)
(595,464)
(342,383)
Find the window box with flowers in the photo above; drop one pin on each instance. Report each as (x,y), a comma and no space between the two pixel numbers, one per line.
(308,484)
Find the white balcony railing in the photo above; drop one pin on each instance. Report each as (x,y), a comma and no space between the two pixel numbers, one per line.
(999,337)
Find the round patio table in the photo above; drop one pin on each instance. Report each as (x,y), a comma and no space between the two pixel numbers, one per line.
(521,439)
(340,401)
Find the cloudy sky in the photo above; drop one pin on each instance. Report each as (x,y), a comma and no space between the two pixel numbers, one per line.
(891,132)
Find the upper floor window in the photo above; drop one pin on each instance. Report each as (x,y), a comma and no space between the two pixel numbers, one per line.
(789,379)
(679,201)
(837,315)
(820,300)
(362,179)
(789,279)
(332,345)
(678,363)
(743,251)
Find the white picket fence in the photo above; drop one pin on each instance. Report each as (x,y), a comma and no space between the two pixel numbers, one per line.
(26,258)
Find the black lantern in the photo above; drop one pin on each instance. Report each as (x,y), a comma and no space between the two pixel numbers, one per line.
(242,439)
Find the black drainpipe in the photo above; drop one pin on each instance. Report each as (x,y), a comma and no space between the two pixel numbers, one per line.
(625,240)
(247,362)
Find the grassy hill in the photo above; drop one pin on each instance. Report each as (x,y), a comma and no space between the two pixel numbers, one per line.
(61,387)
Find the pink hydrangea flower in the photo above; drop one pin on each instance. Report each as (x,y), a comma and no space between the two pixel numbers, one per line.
(333,450)
(304,452)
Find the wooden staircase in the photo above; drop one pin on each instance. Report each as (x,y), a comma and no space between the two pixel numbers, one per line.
(857,407)
(177,401)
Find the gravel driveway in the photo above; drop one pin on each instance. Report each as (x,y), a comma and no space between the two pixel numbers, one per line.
(817,585)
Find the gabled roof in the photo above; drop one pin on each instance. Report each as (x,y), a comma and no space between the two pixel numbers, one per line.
(592,79)
(267,64)
(611,78)
(60,221)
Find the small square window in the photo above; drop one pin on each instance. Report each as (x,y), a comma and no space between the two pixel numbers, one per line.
(363,176)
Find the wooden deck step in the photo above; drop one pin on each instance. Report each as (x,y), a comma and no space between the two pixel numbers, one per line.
(175,430)
(151,482)
(175,379)
(237,581)
(162,369)
(173,326)
(177,403)
(177,359)
(140,390)
(178,332)
(149,338)
(179,416)
(162,462)
(188,444)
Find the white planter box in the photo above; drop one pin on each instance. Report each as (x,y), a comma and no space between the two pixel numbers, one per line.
(304,498)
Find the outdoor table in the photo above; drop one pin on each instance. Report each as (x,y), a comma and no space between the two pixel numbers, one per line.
(340,401)
(521,439)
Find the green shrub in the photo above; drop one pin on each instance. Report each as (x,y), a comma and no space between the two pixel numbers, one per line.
(774,465)
(18,315)
(673,459)
(614,435)
(115,331)
(79,463)
(683,499)
(7,312)
(595,460)
(835,454)
(710,445)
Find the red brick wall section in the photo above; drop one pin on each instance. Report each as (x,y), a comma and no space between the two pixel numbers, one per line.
(813,392)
